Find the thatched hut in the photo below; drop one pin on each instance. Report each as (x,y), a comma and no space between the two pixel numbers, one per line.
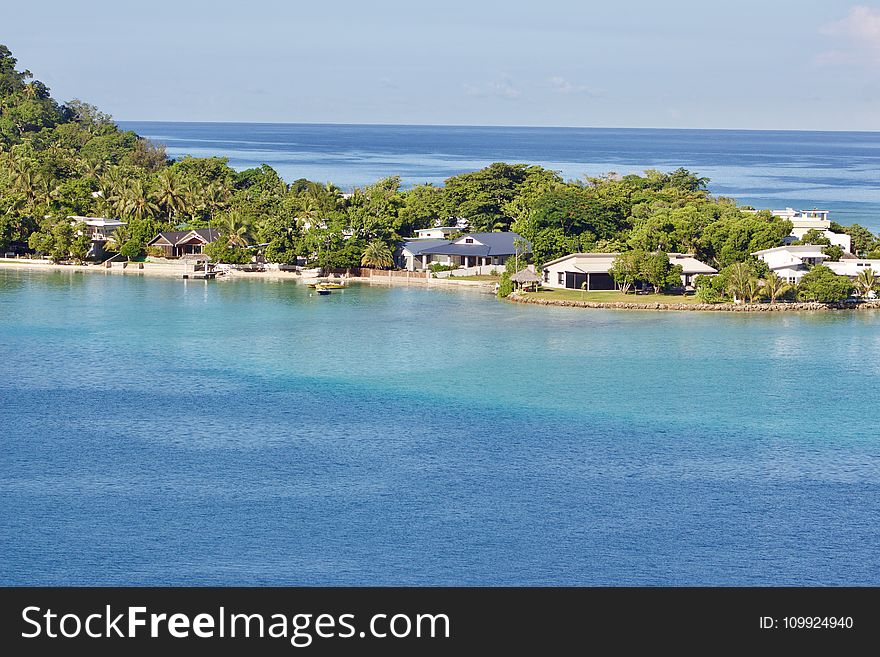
(526,279)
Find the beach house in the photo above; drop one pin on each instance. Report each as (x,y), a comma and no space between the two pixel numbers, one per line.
(792,262)
(852,267)
(471,250)
(177,243)
(803,221)
(577,269)
(100,231)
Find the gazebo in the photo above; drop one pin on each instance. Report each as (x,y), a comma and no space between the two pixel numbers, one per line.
(526,278)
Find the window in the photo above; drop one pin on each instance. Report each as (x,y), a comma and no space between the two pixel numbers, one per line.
(561,279)
(468,240)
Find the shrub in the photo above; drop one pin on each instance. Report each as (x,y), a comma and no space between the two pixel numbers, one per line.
(707,294)
(822,284)
(505,286)
(132,249)
(436,267)
(221,251)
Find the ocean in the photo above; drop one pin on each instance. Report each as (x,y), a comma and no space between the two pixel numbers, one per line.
(162,431)
(837,171)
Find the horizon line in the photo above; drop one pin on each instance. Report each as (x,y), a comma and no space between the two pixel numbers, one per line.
(500,125)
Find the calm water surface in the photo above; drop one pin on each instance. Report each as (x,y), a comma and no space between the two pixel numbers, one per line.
(246,432)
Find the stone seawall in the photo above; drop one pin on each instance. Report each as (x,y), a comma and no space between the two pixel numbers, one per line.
(709,307)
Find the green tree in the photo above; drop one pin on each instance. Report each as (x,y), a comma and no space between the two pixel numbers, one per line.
(132,249)
(739,277)
(774,286)
(236,229)
(862,239)
(833,251)
(230,254)
(867,282)
(627,268)
(753,289)
(377,255)
(658,272)
(814,236)
(822,284)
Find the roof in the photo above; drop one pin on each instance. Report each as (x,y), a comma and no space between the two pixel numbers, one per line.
(486,244)
(600,263)
(690,265)
(445,229)
(175,237)
(526,275)
(589,263)
(802,250)
(416,247)
(97,221)
(198,257)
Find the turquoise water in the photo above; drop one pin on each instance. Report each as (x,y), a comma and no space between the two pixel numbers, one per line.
(158,431)
(774,169)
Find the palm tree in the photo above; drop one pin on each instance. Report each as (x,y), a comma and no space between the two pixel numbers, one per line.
(215,198)
(35,188)
(867,282)
(774,285)
(110,189)
(236,229)
(753,289)
(138,201)
(738,280)
(117,238)
(170,195)
(377,255)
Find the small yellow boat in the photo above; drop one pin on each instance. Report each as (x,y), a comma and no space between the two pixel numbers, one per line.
(331,286)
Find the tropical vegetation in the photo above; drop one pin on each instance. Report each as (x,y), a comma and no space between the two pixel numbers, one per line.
(59,160)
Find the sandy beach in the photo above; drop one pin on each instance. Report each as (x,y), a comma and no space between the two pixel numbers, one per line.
(175,270)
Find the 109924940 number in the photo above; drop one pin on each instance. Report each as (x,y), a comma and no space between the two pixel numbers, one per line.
(817,622)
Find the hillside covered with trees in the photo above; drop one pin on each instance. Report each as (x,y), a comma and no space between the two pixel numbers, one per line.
(58,160)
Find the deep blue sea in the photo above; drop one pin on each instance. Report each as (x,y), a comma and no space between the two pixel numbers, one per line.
(838,171)
(161,431)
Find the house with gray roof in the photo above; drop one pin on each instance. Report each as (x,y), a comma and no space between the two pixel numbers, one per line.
(471,250)
(590,271)
(178,243)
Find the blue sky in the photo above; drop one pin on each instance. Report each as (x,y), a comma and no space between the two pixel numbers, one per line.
(763,64)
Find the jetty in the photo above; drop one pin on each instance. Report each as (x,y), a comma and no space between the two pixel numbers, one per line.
(198,265)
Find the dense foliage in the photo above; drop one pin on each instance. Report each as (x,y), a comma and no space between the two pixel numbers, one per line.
(59,160)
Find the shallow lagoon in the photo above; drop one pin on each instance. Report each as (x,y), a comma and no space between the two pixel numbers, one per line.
(158,431)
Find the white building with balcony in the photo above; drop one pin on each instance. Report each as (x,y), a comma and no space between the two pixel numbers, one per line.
(99,230)
(803,221)
(792,262)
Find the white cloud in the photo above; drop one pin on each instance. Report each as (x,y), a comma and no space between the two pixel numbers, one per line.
(563,86)
(504,87)
(857,37)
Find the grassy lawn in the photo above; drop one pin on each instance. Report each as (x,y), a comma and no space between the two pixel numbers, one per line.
(482,277)
(611,296)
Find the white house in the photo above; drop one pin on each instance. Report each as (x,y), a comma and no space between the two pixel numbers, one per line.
(99,231)
(853,266)
(438,233)
(792,262)
(99,228)
(573,270)
(803,221)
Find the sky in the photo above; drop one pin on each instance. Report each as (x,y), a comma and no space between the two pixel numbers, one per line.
(749,64)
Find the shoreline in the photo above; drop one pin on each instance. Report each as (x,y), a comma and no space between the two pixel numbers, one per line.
(169,270)
(798,306)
